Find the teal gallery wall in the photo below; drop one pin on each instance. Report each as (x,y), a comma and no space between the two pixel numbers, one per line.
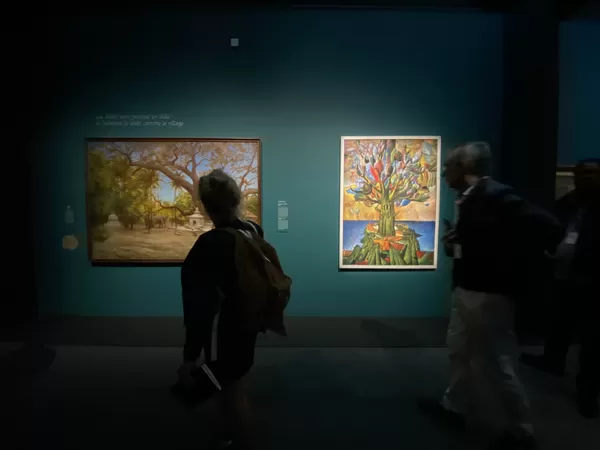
(579,91)
(298,81)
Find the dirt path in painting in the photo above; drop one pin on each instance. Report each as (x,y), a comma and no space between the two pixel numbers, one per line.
(159,244)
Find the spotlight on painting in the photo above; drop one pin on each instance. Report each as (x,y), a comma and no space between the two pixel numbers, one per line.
(389,202)
(142,199)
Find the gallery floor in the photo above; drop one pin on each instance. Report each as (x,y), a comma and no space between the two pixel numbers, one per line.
(343,398)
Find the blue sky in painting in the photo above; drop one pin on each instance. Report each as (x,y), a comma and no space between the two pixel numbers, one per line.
(354,231)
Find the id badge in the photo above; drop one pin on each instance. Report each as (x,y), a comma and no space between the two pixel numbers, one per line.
(571,238)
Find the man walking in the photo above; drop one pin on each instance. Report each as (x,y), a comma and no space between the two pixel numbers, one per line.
(576,264)
(495,235)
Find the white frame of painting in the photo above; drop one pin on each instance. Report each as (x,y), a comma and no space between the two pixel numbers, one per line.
(341,200)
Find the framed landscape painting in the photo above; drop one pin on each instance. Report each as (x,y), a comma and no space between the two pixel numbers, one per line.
(564,181)
(389,202)
(142,195)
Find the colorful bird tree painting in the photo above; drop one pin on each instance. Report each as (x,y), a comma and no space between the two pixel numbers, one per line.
(382,177)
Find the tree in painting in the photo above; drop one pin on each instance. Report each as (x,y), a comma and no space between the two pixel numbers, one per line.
(382,177)
(143,202)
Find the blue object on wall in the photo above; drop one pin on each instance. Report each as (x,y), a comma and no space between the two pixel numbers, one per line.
(298,81)
(579,120)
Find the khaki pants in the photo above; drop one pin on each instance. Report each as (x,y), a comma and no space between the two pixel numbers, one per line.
(481,334)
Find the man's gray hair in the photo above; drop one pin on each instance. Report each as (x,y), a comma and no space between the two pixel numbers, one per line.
(475,158)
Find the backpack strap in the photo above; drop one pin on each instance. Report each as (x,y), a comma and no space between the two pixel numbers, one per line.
(255,243)
(246,233)
(247,222)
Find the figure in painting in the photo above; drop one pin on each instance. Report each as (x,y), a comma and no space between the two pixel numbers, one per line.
(142,198)
(393,182)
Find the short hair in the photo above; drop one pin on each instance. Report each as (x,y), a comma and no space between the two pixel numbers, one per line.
(220,194)
(474,157)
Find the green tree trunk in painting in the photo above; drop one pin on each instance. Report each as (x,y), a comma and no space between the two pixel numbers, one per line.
(387,215)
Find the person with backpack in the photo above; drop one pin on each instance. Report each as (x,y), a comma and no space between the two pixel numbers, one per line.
(233,288)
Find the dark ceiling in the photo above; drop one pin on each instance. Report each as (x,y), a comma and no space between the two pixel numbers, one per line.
(566,9)
(590,9)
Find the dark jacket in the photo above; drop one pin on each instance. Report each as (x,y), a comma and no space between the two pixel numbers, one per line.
(586,261)
(209,286)
(502,238)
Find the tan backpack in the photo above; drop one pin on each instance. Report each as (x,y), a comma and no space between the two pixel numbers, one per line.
(264,287)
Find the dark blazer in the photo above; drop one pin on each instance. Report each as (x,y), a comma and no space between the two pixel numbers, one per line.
(502,238)
(586,261)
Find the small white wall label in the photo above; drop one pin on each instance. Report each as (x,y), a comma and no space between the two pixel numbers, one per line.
(282,216)
(69,215)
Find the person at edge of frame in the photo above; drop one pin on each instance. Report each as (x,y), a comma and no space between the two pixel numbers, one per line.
(576,265)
